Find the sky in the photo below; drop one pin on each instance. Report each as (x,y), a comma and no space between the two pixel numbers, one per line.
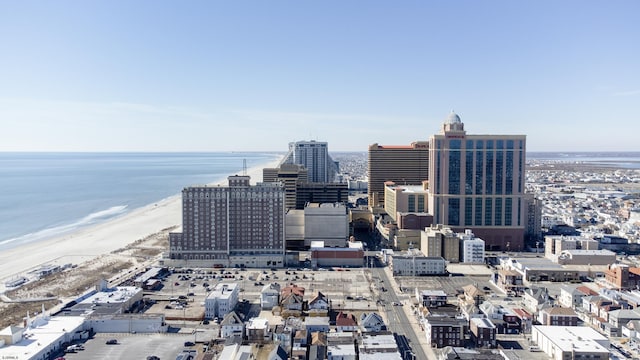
(255,75)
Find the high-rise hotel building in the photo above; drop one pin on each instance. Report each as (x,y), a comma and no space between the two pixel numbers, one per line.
(235,225)
(403,165)
(314,156)
(477,182)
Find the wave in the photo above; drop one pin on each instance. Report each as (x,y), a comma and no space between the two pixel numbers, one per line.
(63,229)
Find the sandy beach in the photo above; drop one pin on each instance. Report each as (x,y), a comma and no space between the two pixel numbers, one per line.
(89,243)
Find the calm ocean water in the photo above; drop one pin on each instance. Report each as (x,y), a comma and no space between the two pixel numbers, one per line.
(47,194)
(622,160)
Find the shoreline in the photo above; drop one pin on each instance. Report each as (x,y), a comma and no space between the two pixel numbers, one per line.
(86,244)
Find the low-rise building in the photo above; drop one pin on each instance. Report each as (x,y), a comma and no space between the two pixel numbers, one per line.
(620,276)
(558,316)
(431,298)
(378,343)
(221,300)
(258,330)
(444,331)
(414,263)
(328,222)
(472,248)
(570,342)
(586,257)
(43,336)
(483,332)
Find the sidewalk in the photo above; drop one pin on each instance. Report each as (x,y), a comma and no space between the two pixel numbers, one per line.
(413,320)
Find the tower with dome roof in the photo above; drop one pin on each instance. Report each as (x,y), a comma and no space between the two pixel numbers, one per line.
(477,182)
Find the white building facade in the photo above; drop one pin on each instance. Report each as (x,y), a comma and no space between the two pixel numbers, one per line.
(472,248)
(221,300)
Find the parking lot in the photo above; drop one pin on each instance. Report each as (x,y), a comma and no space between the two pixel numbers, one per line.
(133,346)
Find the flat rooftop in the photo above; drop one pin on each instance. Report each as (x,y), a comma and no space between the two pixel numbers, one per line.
(38,338)
(574,338)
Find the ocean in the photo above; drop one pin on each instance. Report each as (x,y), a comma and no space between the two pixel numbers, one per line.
(619,160)
(43,195)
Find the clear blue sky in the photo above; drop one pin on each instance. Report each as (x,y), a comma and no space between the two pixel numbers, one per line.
(255,75)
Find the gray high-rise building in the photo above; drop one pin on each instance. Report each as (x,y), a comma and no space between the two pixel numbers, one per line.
(239,223)
(477,182)
(314,156)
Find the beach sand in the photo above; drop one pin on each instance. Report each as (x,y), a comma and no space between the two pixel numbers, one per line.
(89,243)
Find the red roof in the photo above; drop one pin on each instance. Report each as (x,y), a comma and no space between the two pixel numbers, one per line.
(395,146)
(344,319)
(293,289)
(522,313)
(587,291)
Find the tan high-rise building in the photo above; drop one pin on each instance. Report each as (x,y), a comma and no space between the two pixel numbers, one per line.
(404,165)
(477,182)
(290,175)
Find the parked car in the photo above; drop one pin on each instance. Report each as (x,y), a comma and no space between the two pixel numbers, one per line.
(112,342)
(189,343)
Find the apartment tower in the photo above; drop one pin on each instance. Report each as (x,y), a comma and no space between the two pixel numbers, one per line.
(477,182)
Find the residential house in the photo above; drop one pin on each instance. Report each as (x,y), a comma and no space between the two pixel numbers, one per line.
(510,281)
(534,298)
(631,330)
(526,319)
(299,347)
(319,305)
(346,322)
(231,326)
(278,353)
(316,323)
(570,297)
(371,322)
(292,304)
(341,345)
(283,334)
(258,330)
(318,346)
(473,294)
(621,317)
(270,296)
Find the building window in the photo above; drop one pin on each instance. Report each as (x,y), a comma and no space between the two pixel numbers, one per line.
(488,177)
(478,217)
(488,210)
(468,212)
(420,203)
(412,203)
(454,212)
